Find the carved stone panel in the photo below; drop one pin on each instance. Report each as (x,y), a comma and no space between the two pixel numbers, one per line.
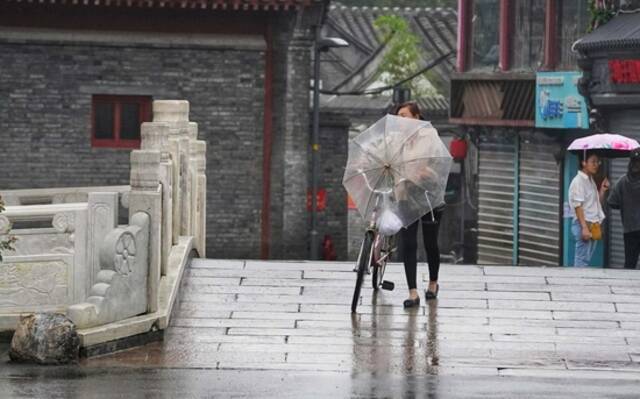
(31,283)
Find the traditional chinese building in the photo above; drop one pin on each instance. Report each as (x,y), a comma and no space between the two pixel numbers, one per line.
(521,171)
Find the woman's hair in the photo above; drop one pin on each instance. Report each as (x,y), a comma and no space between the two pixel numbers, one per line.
(413,108)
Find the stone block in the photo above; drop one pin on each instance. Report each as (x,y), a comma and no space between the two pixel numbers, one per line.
(45,338)
(170,111)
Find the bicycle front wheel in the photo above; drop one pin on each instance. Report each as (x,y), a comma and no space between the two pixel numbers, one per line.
(381,248)
(363,263)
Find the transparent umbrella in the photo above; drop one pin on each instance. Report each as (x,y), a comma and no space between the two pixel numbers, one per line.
(397,171)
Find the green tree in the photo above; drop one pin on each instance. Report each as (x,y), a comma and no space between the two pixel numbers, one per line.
(8,243)
(601,12)
(402,55)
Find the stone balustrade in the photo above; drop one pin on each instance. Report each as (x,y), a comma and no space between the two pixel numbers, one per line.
(60,195)
(113,281)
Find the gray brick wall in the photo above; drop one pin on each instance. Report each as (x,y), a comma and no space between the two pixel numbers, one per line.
(334,134)
(45,98)
(290,166)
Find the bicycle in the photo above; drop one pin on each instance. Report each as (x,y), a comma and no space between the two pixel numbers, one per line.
(377,248)
(375,252)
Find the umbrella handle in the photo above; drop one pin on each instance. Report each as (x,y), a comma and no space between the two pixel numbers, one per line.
(426,194)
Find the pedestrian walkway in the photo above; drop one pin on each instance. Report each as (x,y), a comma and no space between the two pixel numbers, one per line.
(487,321)
(284,330)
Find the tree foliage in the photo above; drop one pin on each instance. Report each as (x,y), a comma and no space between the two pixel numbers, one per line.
(601,12)
(7,244)
(402,56)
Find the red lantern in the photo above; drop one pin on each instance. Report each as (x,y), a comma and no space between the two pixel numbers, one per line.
(458,149)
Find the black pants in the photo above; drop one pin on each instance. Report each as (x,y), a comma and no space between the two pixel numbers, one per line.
(410,247)
(631,249)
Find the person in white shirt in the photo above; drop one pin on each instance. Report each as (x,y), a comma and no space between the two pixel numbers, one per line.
(586,204)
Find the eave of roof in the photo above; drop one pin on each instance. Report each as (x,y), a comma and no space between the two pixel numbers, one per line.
(435,105)
(623,31)
(231,5)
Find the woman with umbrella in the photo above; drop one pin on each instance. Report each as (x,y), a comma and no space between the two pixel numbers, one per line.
(585,198)
(586,205)
(430,225)
(397,172)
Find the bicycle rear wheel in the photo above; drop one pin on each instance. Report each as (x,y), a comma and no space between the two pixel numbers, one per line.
(363,263)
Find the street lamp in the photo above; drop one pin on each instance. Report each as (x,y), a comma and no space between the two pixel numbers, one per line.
(322,44)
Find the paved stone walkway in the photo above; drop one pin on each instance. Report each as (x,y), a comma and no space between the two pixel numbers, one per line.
(488,321)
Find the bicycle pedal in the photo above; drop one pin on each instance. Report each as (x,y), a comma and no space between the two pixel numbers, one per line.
(388,285)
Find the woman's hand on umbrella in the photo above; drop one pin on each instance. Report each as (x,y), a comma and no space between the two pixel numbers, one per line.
(604,186)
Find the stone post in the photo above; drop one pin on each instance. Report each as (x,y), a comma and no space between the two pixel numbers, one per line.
(198,164)
(146,196)
(102,213)
(176,114)
(155,136)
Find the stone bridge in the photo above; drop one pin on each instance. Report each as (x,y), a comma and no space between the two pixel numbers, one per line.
(111,258)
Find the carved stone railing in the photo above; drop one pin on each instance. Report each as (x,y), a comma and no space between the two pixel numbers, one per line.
(47,272)
(113,281)
(60,195)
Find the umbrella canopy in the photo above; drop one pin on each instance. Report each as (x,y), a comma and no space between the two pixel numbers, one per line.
(605,145)
(397,169)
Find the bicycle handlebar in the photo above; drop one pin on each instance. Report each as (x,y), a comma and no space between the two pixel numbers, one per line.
(373,190)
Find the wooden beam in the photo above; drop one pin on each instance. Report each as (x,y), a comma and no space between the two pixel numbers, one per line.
(550,35)
(464,30)
(492,122)
(505,35)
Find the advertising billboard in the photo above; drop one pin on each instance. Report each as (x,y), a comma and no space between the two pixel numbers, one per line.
(558,103)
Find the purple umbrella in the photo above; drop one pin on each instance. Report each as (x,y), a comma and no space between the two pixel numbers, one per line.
(605,145)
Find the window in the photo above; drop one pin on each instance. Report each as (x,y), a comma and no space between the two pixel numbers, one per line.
(573,19)
(527,43)
(486,23)
(116,120)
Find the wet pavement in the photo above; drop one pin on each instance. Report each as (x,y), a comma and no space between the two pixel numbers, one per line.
(267,329)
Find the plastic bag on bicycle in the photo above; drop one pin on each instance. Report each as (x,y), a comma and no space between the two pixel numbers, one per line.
(388,222)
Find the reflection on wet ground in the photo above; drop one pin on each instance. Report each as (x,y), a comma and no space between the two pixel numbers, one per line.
(500,324)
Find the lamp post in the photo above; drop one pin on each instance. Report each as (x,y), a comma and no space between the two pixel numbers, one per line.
(322,44)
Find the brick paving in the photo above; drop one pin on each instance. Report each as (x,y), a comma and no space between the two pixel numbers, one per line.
(487,321)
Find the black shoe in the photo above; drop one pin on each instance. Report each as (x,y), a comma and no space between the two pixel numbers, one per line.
(432,295)
(410,303)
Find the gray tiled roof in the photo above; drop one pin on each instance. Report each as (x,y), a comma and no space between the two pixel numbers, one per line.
(354,67)
(622,31)
(433,106)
